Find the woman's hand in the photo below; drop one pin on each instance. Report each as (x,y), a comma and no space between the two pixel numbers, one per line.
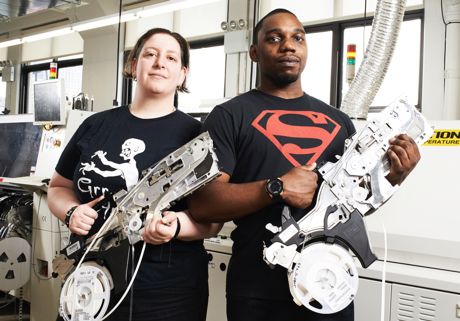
(83,217)
(159,231)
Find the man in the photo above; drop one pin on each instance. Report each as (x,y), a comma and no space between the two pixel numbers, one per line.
(275,131)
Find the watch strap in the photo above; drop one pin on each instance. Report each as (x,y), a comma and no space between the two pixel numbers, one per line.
(276,197)
(177,229)
(69,214)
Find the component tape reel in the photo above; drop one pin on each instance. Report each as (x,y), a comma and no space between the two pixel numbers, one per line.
(325,273)
(86,293)
(14,263)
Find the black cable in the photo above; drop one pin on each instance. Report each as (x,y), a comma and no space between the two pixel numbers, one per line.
(13,299)
(115,102)
(442,14)
(252,63)
(443,19)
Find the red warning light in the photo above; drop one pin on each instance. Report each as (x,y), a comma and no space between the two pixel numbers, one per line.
(53,70)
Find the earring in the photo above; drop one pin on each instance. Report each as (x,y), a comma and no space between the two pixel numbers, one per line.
(178,87)
(135,79)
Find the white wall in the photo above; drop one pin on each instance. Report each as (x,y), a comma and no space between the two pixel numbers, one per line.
(433,61)
(100,67)
(201,20)
(61,46)
(136,28)
(3,53)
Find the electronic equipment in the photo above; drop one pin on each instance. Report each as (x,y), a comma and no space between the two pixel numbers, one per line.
(19,145)
(321,273)
(81,102)
(88,283)
(46,230)
(48,102)
(422,268)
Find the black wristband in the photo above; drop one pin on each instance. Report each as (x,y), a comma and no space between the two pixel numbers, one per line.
(177,229)
(275,187)
(69,214)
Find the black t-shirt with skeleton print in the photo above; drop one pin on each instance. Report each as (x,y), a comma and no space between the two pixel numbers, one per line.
(108,153)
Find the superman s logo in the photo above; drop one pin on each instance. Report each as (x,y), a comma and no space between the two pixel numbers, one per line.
(302,136)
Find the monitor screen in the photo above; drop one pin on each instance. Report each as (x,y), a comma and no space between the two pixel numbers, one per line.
(48,100)
(19,145)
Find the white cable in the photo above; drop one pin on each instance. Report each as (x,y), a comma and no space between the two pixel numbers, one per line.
(382,317)
(95,239)
(130,283)
(135,272)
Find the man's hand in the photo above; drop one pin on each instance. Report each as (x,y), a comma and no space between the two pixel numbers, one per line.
(300,184)
(404,156)
(159,231)
(83,217)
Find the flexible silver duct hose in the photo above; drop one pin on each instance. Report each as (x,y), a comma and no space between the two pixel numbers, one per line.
(385,30)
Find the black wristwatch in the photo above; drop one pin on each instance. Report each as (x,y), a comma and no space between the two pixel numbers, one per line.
(69,214)
(274,188)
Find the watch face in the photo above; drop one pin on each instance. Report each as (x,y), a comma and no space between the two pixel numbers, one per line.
(275,186)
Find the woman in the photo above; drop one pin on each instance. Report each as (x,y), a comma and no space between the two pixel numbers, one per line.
(108,152)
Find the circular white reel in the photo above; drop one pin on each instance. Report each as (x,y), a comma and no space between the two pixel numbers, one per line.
(325,273)
(14,263)
(86,293)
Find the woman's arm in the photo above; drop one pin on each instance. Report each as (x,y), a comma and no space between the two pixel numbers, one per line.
(62,197)
(191,230)
(162,230)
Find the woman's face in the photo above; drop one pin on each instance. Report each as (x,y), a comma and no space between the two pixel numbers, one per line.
(159,69)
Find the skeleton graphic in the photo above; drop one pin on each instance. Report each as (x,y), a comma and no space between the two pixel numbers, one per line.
(128,171)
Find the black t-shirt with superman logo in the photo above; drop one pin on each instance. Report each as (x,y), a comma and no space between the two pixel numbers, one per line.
(257,137)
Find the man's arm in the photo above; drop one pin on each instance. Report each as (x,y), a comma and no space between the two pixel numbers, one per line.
(221,201)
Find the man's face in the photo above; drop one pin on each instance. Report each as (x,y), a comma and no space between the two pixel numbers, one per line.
(281,50)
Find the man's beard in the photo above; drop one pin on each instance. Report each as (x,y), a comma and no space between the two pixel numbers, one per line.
(282,80)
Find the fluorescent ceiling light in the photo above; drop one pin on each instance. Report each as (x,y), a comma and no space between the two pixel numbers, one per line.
(169,6)
(10,43)
(49,34)
(95,23)
(129,16)
(160,8)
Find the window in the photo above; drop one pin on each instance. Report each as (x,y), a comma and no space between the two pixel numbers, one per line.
(325,79)
(316,78)
(69,68)
(404,71)
(325,72)
(73,79)
(310,11)
(350,7)
(205,79)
